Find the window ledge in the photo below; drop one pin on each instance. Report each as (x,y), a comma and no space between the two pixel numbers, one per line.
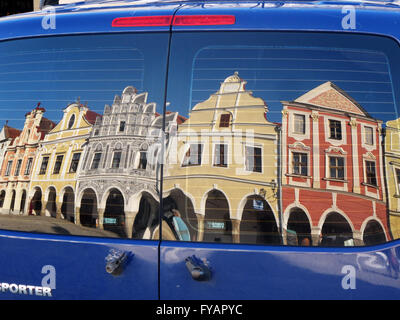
(369,185)
(297,176)
(335,180)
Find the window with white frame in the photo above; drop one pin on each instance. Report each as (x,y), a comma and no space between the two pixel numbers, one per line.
(336,167)
(369,136)
(18,167)
(8,169)
(193,155)
(96,160)
(335,129)
(221,155)
(116,160)
(28,166)
(300,163)
(74,162)
(299,123)
(370,173)
(43,167)
(253,158)
(57,165)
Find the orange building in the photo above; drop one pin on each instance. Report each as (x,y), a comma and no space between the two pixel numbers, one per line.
(18,162)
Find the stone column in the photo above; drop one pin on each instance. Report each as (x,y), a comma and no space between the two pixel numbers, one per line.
(200,227)
(358,238)
(315,149)
(58,210)
(28,206)
(100,214)
(129,220)
(43,209)
(17,203)
(7,201)
(315,236)
(77,216)
(235,230)
(354,156)
(284,237)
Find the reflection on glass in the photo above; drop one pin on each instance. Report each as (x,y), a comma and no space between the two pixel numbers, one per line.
(318,164)
(299,145)
(79,174)
(280,146)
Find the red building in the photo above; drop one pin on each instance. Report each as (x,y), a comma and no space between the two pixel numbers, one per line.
(332,171)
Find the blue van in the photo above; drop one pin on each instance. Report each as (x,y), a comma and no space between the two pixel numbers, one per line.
(172,150)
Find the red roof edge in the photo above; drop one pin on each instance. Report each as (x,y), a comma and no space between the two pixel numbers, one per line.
(91,116)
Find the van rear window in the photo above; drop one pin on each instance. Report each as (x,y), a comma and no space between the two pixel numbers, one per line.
(311,145)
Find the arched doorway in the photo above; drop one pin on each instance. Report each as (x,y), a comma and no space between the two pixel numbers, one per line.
(13,193)
(88,215)
(36,203)
(2,198)
(51,206)
(114,214)
(373,233)
(299,224)
(147,218)
(336,230)
(23,201)
(68,204)
(258,225)
(217,223)
(185,207)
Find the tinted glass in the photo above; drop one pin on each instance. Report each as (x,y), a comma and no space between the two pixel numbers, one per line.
(305,164)
(61,91)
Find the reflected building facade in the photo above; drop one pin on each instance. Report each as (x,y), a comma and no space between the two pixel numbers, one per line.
(53,184)
(118,184)
(221,172)
(19,160)
(333,178)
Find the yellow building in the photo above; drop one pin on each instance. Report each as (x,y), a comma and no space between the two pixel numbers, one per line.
(221,171)
(392,163)
(53,183)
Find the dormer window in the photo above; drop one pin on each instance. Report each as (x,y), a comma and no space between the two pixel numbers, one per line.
(71,121)
(224,120)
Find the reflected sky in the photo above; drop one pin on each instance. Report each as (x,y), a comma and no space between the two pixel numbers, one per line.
(283,74)
(61,70)
(56,71)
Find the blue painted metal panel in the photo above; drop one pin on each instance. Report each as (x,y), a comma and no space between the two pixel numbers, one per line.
(296,16)
(76,21)
(262,272)
(79,264)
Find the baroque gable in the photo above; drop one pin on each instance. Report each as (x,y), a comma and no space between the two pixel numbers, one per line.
(329,96)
